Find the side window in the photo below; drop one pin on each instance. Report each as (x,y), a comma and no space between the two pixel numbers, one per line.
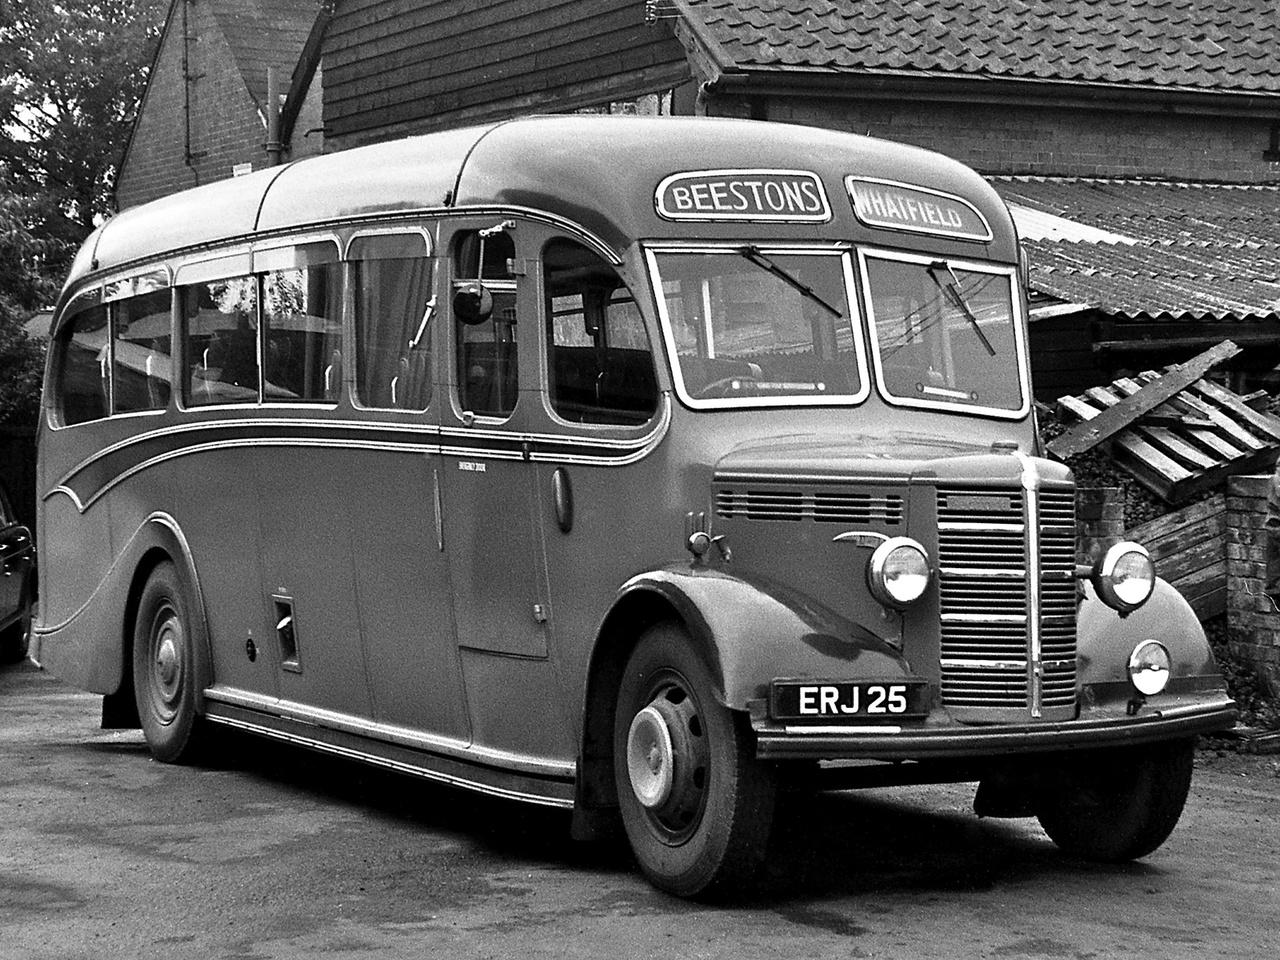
(219,320)
(393,307)
(141,352)
(600,362)
(84,390)
(302,330)
(485,339)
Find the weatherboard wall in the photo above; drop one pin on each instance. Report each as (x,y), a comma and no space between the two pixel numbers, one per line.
(395,67)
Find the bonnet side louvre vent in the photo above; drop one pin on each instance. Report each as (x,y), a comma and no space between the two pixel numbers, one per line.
(824,507)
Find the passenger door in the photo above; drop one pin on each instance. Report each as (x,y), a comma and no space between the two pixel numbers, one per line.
(489,499)
(402,579)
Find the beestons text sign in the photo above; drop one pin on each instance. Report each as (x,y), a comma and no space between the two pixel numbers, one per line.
(790,196)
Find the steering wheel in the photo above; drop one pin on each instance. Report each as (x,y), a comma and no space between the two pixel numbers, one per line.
(724,386)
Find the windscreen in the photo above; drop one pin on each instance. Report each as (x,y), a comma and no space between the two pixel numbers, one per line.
(944,334)
(750,326)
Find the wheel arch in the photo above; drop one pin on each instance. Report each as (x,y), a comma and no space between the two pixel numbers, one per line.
(158,539)
(638,607)
(748,632)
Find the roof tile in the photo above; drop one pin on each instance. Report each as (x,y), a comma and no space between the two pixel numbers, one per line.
(1229,45)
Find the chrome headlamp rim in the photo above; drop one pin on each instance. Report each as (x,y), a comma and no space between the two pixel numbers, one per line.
(1103,575)
(876,563)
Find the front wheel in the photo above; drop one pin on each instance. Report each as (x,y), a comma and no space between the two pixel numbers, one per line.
(168,668)
(1118,805)
(696,805)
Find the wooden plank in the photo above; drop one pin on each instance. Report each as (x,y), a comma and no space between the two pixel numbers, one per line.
(1257,400)
(1111,421)
(1268,426)
(1192,516)
(1238,434)
(1155,471)
(1186,562)
(1199,428)
(1186,538)
(1175,446)
(1078,407)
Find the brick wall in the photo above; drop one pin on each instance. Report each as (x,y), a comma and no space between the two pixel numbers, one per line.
(226,126)
(1251,615)
(1099,521)
(998,139)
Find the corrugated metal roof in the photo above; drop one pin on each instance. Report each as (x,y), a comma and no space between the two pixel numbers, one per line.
(1202,251)
(1222,45)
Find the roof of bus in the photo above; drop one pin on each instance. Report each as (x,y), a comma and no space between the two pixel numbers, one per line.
(600,172)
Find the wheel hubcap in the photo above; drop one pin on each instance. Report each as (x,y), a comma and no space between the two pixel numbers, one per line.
(650,758)
(167,668)
(667,761)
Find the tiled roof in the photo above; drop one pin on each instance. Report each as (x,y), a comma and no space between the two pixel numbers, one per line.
(1201,251)
(265,33)
(1220,45)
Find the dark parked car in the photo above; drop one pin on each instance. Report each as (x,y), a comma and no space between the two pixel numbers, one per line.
(17,583)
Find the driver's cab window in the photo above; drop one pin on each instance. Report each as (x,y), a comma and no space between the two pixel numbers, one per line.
(484,311)
(600,364)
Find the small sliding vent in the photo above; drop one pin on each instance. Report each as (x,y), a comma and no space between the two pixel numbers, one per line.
(823,507)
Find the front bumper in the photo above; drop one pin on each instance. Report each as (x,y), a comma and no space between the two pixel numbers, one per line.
(1093,729)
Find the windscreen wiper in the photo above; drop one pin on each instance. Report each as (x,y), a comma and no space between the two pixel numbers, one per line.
(752,253)
(951,290)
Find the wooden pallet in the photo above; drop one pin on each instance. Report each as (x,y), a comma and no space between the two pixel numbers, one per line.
(1189,550)
(1188,443)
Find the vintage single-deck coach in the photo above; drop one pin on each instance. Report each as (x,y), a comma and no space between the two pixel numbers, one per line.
(641,467)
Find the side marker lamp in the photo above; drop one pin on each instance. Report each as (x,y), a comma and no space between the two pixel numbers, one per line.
(898,572)
(1149,667)
(1125,577)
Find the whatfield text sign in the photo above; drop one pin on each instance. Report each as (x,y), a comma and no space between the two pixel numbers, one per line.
(896,206)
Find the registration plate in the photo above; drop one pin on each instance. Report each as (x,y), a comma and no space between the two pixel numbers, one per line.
(815,700)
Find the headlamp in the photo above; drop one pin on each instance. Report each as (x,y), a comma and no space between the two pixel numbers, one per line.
(1125,577)
(898,572)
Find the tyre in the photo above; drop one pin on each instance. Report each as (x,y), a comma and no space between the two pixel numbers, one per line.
(695,803)
(169,669)
(1118,805)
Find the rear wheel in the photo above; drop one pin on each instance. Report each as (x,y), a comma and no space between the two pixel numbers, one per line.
(695,803)
(1118,805)
(168,668)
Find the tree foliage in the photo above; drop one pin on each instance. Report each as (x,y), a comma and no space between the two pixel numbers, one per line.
(22,289)
(71,75)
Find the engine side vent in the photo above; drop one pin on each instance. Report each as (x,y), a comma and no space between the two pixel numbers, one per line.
(822,507)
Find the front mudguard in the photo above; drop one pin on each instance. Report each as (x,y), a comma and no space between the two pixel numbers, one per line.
(753,631)
(1105,640)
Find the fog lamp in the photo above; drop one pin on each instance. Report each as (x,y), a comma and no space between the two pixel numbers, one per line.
(1149,667)
(898,572)
(1125,577)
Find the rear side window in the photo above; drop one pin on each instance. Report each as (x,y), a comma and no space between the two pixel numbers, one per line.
(141,352)
(83,384)
(601,364)
(393,312)
(302,322)
(220,321)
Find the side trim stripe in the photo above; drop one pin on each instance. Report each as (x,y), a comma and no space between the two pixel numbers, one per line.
(92,478)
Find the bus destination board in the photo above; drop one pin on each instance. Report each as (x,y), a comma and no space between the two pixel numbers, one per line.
(789,196)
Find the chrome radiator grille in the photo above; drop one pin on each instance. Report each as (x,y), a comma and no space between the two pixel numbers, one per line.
(1007,598)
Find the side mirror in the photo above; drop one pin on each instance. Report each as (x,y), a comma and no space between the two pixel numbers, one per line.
(472,303)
